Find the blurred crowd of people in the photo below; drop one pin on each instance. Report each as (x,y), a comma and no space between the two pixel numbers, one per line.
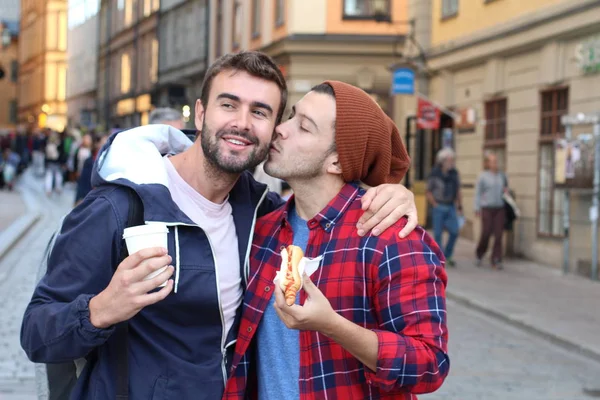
(59,157)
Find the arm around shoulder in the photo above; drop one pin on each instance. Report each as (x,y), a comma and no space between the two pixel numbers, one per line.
(56,326)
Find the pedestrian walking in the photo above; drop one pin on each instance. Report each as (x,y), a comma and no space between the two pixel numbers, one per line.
(443,193)
(491,187)
(54,169)
(9,164)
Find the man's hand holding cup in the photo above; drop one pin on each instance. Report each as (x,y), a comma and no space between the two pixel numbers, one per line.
(147,268)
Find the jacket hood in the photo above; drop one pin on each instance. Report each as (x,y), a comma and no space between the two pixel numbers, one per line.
(136,155)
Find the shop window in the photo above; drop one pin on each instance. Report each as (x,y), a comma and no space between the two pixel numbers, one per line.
(554,104)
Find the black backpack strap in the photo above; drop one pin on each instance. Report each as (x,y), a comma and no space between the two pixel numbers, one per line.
(135,216)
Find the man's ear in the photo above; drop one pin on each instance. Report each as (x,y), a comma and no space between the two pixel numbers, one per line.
(199,115)
(333,164)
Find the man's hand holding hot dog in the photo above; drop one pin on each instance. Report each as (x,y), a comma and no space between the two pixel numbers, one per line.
(127,292)
(317,315)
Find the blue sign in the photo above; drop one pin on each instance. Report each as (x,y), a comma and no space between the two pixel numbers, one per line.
(403,81)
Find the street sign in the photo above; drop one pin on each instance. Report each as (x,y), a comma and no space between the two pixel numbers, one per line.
(403,81)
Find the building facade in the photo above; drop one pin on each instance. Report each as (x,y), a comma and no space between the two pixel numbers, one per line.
(509,70)
(82,60)
(9,73)
(127,61)
(183,53)
(354,41)
(43,63)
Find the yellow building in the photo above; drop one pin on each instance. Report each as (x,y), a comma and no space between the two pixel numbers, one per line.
(313,40)
(9,67)
(43,63)
(511,69)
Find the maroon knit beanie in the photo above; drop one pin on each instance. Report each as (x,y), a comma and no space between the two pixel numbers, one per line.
(367,140)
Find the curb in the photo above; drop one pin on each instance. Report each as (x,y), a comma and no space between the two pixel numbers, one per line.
(11,235)
(550,337)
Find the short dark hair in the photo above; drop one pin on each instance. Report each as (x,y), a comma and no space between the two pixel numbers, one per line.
(256,64)
(325,88)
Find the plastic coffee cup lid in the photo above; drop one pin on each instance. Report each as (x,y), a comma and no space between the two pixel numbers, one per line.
(145,230)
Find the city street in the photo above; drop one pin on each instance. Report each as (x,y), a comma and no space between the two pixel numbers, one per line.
(18,270)
(489,359)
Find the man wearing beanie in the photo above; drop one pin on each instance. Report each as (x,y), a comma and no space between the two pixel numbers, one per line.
(370,322)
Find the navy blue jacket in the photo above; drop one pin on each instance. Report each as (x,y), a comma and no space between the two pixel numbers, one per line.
(177,347)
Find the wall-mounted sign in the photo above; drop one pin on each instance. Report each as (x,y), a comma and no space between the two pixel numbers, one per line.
(588,54)
(428,115)
(467,117)
(403,81)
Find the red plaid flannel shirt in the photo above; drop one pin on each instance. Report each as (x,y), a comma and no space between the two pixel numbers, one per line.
(394,287)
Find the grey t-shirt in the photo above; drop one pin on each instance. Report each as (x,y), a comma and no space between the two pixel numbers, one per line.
(489,190)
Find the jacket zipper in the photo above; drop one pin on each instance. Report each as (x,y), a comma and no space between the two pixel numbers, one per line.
(246,273)
(223,333)
(250,239)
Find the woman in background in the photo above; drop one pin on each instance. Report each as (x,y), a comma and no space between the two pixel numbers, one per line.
(489,205)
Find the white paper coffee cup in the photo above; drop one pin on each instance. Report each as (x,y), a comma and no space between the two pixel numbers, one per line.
(146,236)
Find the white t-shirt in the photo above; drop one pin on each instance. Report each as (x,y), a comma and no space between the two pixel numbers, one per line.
(217,222)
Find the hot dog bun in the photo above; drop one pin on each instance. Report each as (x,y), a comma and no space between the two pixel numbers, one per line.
(291,282)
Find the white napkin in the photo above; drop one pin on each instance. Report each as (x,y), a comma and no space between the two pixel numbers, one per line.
(306,266)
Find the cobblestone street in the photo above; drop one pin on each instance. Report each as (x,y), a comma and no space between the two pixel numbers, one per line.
(490,360)
(18,270)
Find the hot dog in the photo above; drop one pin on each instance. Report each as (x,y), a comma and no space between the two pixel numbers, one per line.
(291,282)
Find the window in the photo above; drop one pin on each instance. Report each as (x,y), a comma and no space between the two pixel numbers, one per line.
(219,30)
(554,106)
(128,12)
(279,12)
(154,61)
(150,6)
(14,70)
(550,199)
(237,25)
(495,130)
(449,8)
(12,111)
(256,17)
(147,7)
(61,84)
(495,122)
(367,9)
(125,73)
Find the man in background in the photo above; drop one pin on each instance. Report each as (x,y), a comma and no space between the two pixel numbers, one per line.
(167,116)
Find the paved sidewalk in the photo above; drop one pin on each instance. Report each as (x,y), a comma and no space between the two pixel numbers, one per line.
(540,299)
(12,208)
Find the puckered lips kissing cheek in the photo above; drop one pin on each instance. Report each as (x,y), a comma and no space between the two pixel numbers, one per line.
(274,148)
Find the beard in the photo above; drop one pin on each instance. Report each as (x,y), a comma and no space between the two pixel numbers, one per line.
(295,167)
(234,162)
